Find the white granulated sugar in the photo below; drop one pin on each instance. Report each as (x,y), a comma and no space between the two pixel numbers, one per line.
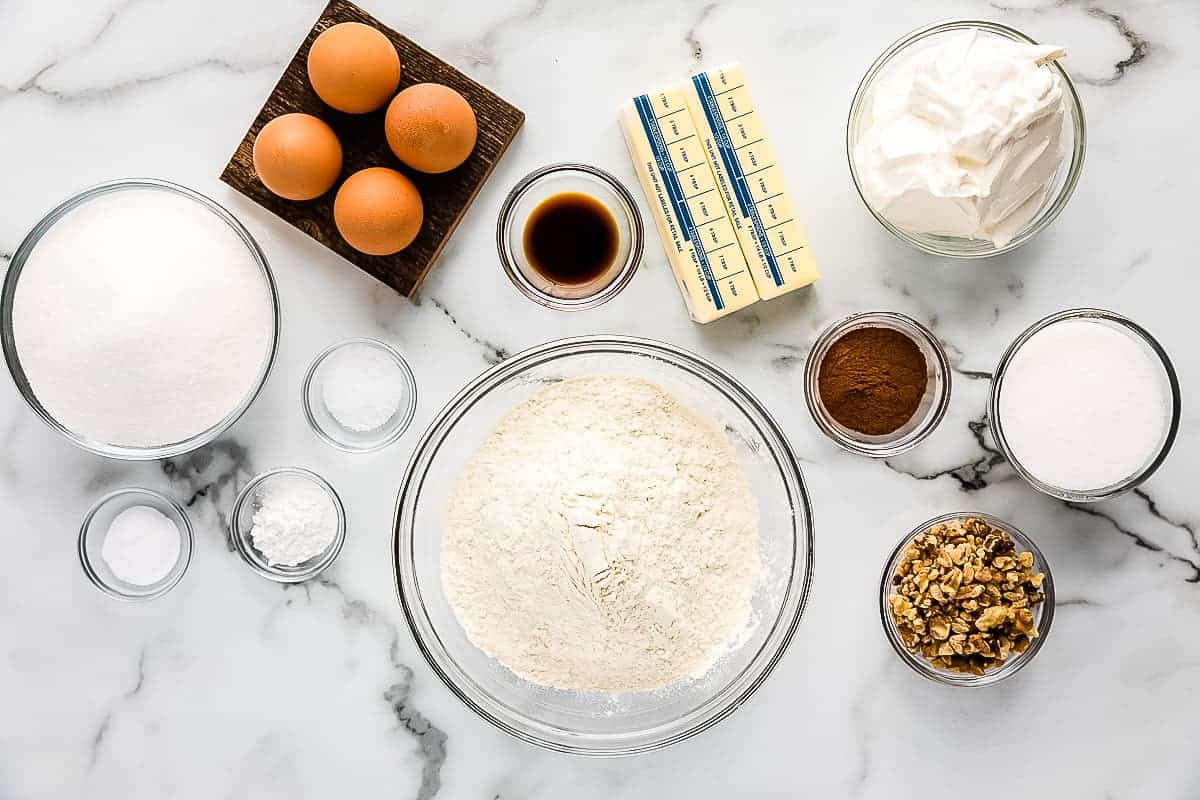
(294,521)
(603,538)
(362,388)
(141,319)
(1083,405)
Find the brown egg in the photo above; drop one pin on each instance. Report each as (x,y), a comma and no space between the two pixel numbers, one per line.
(378,211)
(431,127)
(297,156)
(353,67)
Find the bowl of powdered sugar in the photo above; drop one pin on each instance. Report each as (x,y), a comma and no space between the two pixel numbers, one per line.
(603,545)
(139,319)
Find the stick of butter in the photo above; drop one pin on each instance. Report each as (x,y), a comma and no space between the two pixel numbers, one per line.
(693,222)
(751,183)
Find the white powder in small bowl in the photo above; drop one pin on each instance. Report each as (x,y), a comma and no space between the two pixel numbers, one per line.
(141,318)
(141,545)
(362,388)
(295,520)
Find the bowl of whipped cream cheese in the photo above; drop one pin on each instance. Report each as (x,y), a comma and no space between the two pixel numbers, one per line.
(603,545)
(966,138)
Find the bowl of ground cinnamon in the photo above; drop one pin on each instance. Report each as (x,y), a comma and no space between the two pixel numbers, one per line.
(877,383)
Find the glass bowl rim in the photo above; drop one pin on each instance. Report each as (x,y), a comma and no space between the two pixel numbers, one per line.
(8,341)
(187,547)
(933,418)
(1104,492)
(546,735)
(1048,213)
(1011,666)
(407,377)
(241,538)
(505,221)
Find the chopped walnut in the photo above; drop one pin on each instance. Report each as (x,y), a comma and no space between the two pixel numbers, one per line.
(963,598)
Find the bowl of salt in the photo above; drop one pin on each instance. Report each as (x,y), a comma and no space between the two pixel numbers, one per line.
(359,395)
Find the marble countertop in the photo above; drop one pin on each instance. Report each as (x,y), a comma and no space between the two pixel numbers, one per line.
(232,686)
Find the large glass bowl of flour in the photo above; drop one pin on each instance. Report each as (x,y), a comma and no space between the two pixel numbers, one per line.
(604,723)
(139,319)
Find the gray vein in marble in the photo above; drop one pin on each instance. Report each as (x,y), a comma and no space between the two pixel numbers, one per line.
(492,353)
(750,321)
(792,356)
(971,476)
(1152,507)
(480,52)
(32,83)
(1141,541)
(430,739)
(1139,46)
(690,38)
(35,85)
(1074,601)
(96,745)
(111,90)
(205,475)
(957,356)
(97,742)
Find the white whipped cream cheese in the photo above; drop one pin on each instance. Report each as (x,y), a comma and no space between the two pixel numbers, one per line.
(963,137)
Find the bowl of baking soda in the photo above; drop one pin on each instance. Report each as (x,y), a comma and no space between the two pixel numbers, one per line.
(135,544)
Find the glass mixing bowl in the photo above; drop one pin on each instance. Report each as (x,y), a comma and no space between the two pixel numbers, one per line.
(7,339)
(594,723)
(1062,186)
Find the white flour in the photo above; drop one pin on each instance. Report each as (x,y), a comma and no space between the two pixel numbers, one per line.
(604,538)
(141,319)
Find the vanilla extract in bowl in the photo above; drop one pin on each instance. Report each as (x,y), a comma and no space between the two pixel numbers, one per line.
(571,239)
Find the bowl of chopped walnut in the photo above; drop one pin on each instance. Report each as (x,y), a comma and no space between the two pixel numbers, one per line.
(966,599)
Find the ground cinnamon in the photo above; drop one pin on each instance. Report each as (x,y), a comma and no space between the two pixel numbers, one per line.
(872,380)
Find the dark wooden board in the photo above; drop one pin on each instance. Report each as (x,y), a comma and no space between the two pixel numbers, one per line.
(446,197)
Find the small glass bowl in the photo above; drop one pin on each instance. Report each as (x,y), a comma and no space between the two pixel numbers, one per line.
(323,422)
(1062,185)
(1138,334)
(242,521)
(95,528)
(547,182)
(928,414)
(8,340)
(1043,616)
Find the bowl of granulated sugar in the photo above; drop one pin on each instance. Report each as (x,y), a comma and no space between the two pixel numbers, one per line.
(139,319)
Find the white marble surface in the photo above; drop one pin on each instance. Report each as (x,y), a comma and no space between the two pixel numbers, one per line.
(235,687)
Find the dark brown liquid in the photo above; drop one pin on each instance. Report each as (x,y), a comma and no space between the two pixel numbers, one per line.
(571,238)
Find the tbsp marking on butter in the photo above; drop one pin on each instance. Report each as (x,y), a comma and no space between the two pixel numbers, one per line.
(693,223)
(738,150)
(692,144)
